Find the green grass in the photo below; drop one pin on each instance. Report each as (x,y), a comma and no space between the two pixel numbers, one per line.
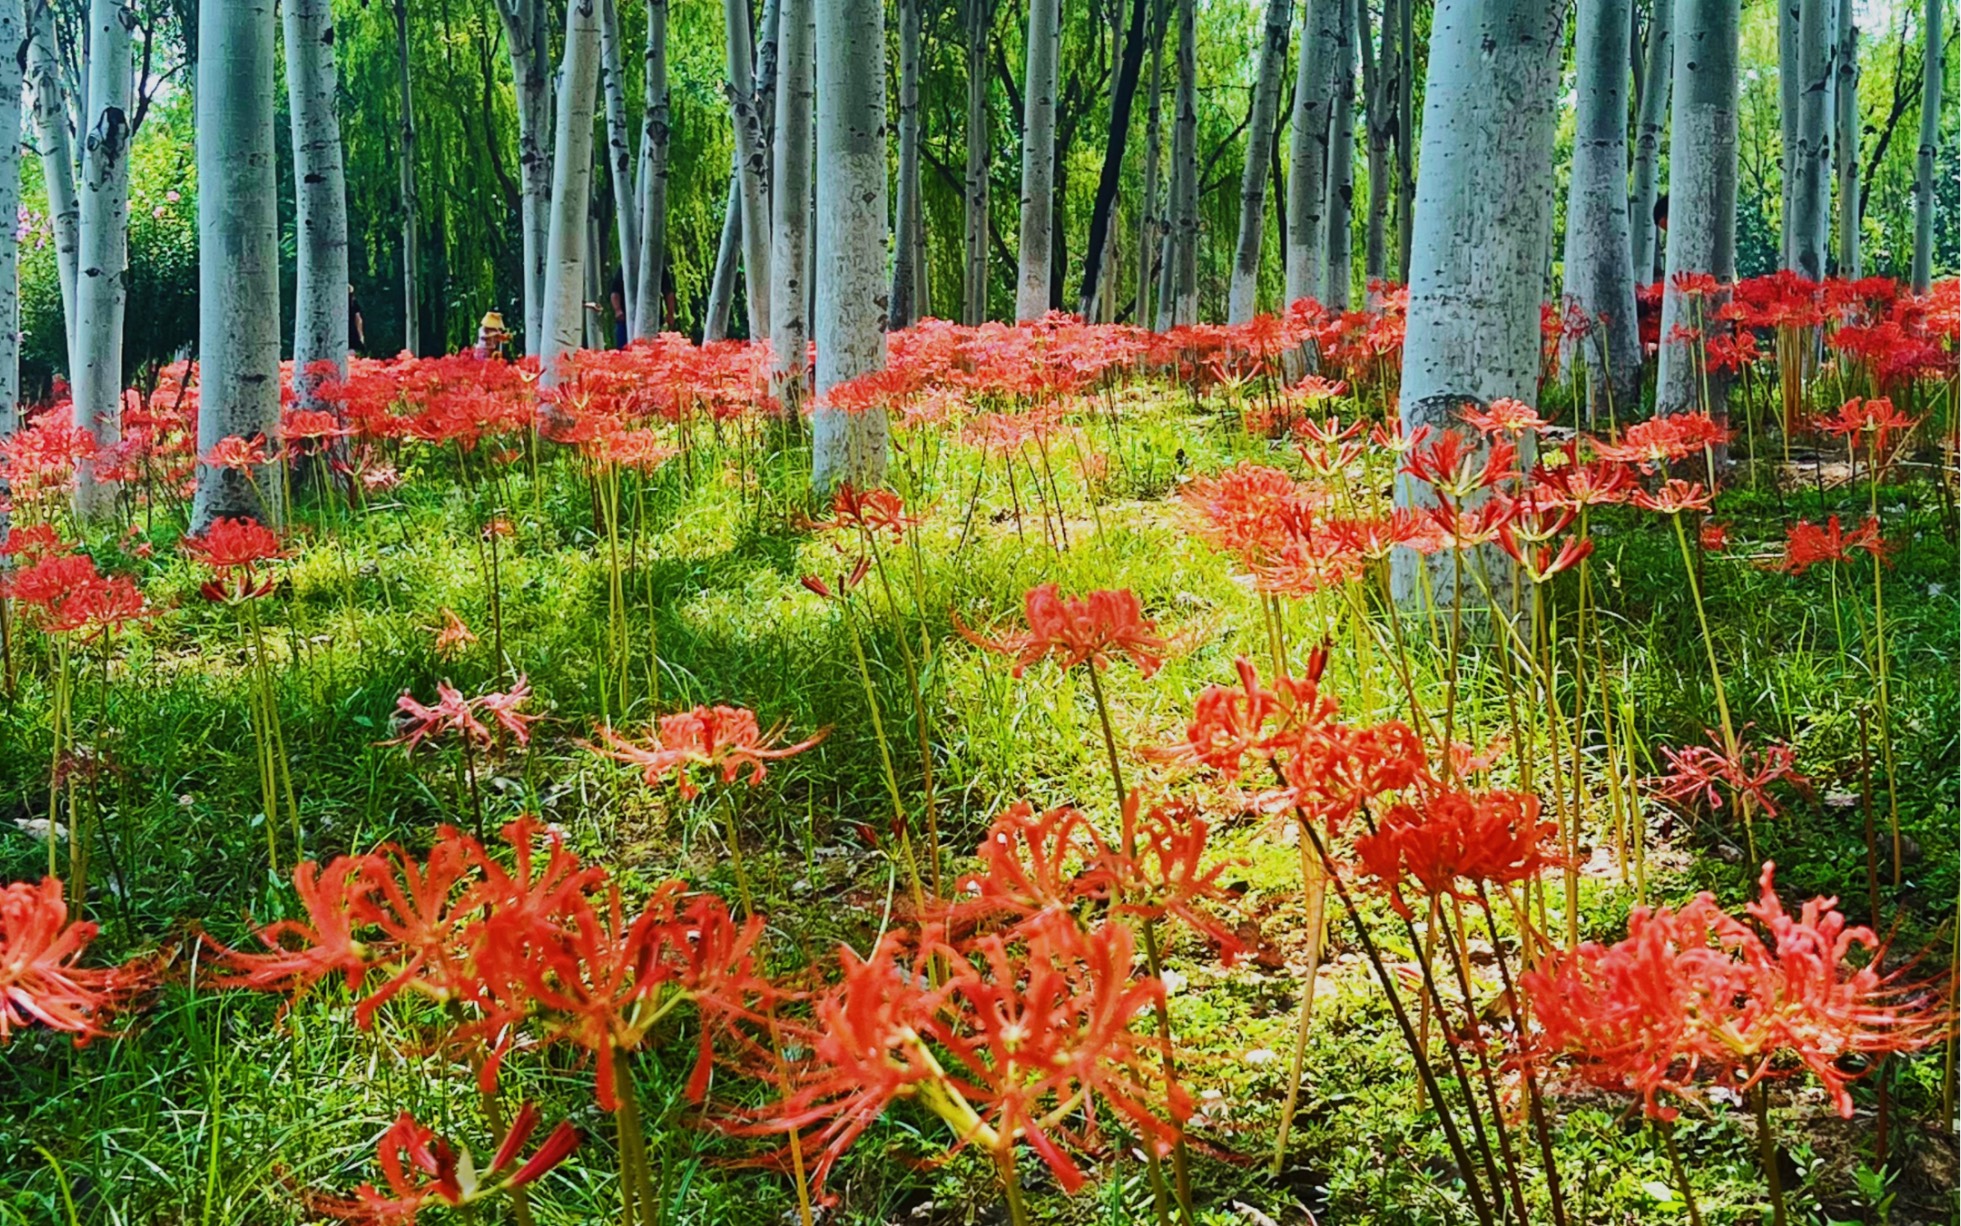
(216,1105)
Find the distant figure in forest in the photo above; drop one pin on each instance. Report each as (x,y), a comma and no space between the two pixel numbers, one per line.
(357,328)
(491,336)
(616,296)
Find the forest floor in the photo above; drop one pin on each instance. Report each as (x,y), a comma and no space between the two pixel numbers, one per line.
(218,1106)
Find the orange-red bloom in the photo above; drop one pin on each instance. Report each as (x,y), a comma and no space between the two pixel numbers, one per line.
(1077,629)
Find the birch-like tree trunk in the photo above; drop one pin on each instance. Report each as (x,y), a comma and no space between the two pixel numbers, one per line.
(1483,225)
(978,16)
(1150,223)
(1307,159)
(238,256)
(52,137)
(1790,94)
(1178,291)
(789,256)
(1378,111)
(1243,292)
(1649,125)
(1405,134)
(13,33)
(1702,189)
(565,274)
(1599,260)
(1337,271)
(619,148)
(906,219)
(102,272)
(411,197)
(1811,171)
(728,248)
(751,162)
(1038,160)
(1923,166)
(1845,149)
(527,30)
(851,228)
(650,293)
(320,191)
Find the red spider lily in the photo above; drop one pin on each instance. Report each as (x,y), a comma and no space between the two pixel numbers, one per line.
(1491,838)
(1373,539)
(869,511)
(302,953)
(41,979)
(1456,467)
(1541,562)
(1732,351)
(454,636)
(1807,544)
(1660,440)
(424,1170)
(1229,723)
(1695,284)
(1017,1041)
(845,582)
(1700,770)
(503,708)
(34,543)
(1874,420)
(1504,416)
(1483,524)
(1240,509)
(238,454)
(67,595)
(1675,497)
(233,548)
(721,738)
(452,713)
(1695,992)
(1077,629)
(1713,536)
(1564,478)
(315,426)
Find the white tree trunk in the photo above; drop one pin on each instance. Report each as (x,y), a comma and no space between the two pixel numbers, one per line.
(1243,292)
(320,290)
(1038,160)
(851,229)
(979,16)
(1178,291)
(565,274)
(721,282)
(650,292)
(1482,225)
(1149,221)
(13,33)
(1339,213)
(906,217)
(1923,166)
(52,137)
(411,195)
(1307,157)
(527,27)
(1845,149)
(789,256)
(1599,262)
(1702,182)
(1790,94)
(238,255)
(1811,175)
(752,162)
(102,274)
(1648,130)
(619,150)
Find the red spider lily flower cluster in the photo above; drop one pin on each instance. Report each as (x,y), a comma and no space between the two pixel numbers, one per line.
(1704,770)
(543,943)
(455,713)
(1023,1030)
(1452,836)
(239,454)
(1660,441)
(1872,422)
(423,1170)
(453,636)
(1075,629)
(1675,497)
(725,739)
(1694,995)
(1807,544)
(41,976)
(65,594)
(868,512)
(233,549)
